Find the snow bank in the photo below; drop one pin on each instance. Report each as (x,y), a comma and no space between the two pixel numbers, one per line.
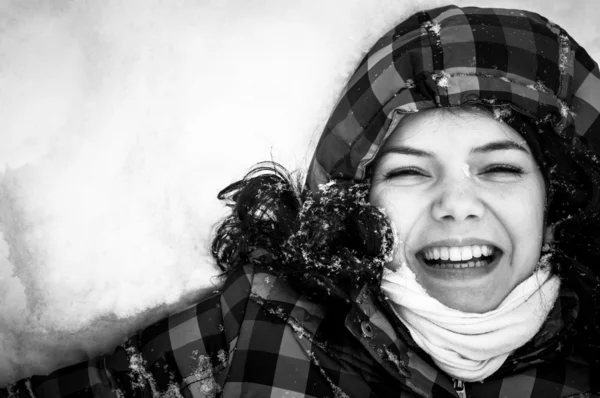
(120,122)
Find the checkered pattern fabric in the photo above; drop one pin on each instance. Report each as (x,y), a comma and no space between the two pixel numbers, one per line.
(259,338)
(449,57)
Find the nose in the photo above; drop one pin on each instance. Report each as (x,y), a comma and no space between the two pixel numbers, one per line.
(457,200)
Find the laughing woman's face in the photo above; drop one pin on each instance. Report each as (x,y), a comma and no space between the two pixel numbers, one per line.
(467,199)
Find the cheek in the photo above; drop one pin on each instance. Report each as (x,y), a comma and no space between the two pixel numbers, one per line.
(530,207)
(522,214)
(536,218)
(393,207)
(401,209)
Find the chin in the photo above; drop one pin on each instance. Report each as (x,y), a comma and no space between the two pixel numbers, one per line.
(467,292)
(469,302)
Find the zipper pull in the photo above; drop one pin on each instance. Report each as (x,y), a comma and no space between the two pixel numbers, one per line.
(459,386)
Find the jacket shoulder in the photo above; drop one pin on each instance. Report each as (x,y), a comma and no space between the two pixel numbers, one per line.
(189,350)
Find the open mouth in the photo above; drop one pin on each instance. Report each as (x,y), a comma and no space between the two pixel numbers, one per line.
(439,258)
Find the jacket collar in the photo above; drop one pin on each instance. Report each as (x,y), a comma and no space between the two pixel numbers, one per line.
(372,322)
(550,341)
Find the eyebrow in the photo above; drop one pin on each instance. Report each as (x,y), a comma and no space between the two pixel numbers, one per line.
(406,150)
(499,146)
(487,148)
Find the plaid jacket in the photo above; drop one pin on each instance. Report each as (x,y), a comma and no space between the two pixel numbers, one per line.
(259,338)
(449,57)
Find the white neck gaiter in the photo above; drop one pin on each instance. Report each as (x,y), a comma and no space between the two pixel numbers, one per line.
(471,346)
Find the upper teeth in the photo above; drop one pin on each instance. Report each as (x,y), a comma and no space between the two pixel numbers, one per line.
(456,253)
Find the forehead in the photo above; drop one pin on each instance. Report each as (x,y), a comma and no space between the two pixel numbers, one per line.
(458,127)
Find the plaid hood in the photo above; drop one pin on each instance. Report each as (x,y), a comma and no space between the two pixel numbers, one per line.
(449,57)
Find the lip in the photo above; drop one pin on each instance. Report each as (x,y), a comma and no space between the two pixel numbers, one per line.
(458,242)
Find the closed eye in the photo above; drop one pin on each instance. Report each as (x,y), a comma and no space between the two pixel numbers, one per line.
(404,172)
(505,169)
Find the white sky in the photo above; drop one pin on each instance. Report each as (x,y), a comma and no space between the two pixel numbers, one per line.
(121,122)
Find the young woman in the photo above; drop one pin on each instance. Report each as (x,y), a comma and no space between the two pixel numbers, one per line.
(446,243)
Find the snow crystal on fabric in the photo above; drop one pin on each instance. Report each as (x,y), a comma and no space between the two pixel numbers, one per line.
(204,373)
(501,113)
(564,61)
(433,28)
(442,79)
(337,391)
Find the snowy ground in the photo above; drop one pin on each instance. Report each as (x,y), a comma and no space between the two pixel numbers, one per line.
(120,122)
